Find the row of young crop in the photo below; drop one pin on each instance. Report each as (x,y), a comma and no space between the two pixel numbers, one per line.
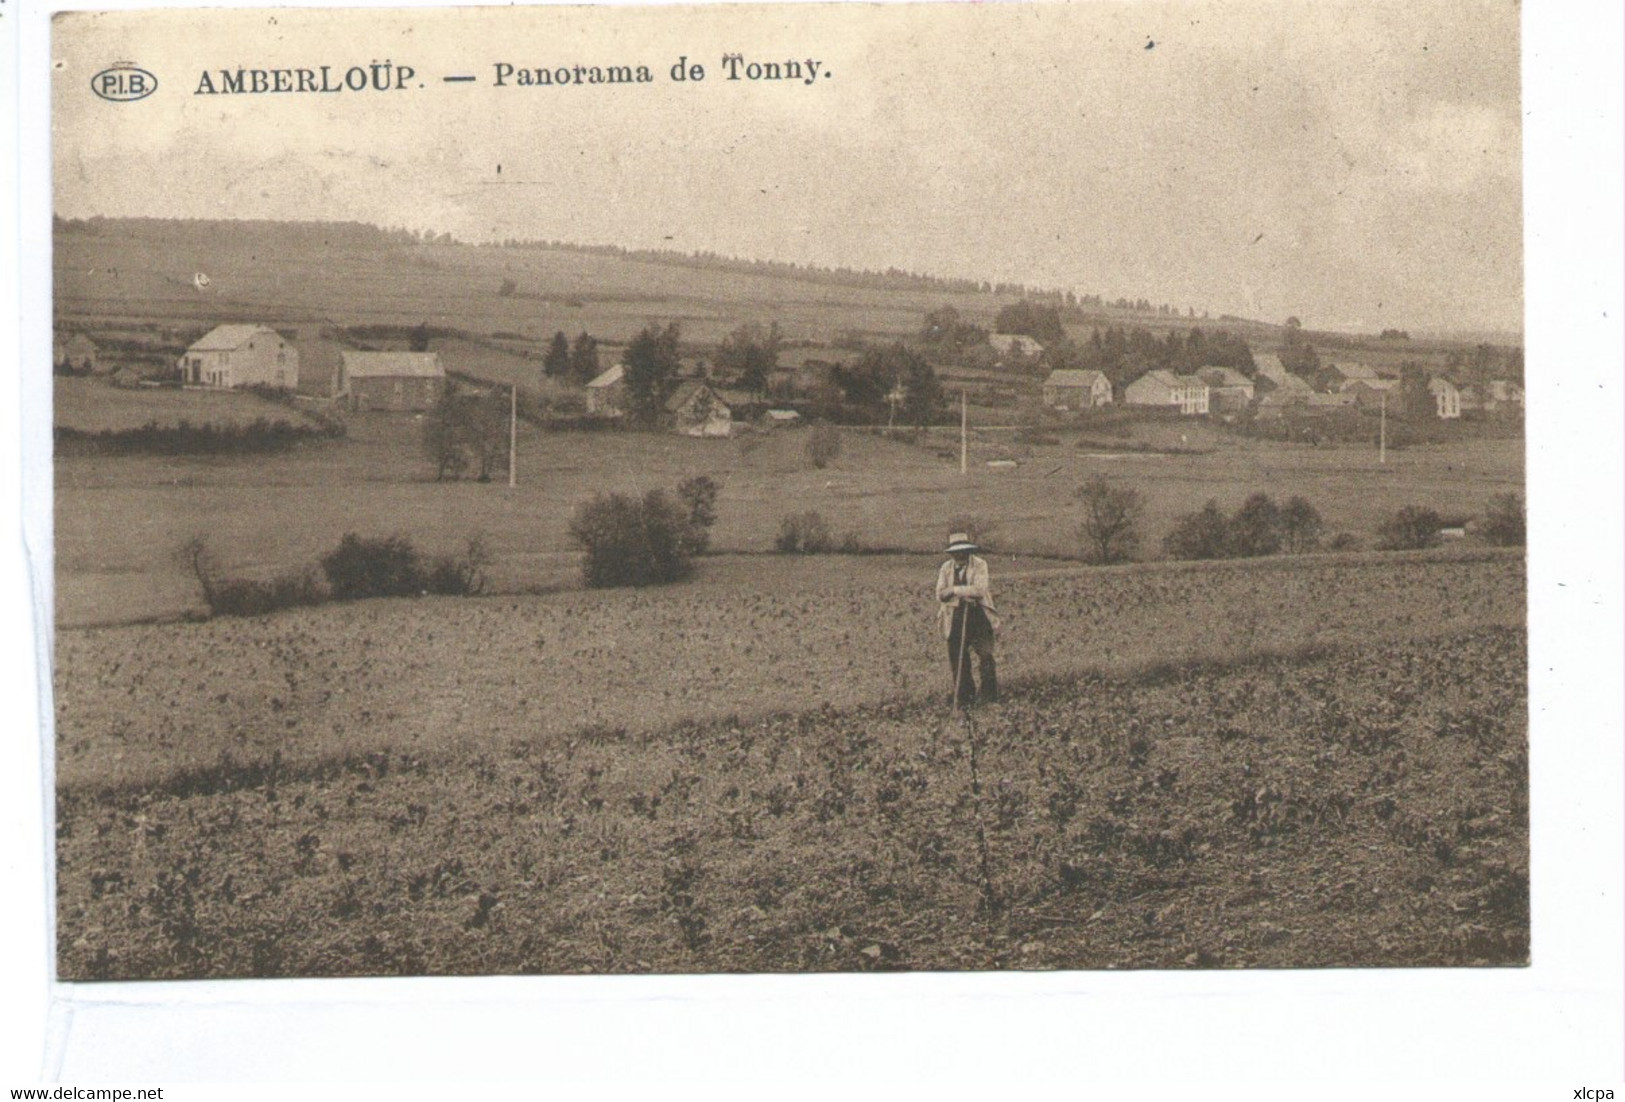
(1328,808)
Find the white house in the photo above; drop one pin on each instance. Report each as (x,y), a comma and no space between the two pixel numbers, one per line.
(697,410)
(241,355)
(1019,344)
(606,394)
(1446,397)
(1161,387)
(1077,389)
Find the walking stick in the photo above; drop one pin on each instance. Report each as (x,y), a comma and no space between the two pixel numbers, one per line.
(963,612)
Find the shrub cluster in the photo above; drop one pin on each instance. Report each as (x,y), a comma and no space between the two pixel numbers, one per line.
(805,534)
(356,569)
(1410,529)
(1259,527)
(633,541)
(184,438)
(1504,523)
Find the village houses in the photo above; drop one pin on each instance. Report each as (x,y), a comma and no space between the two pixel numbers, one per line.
(240,356)
(1070,389)
(1446,397)
(400,382)
(606,393)
(697,410)
(1161,387)
(76,353)
(1229,390)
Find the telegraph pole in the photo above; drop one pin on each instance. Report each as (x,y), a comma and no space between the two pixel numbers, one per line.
(513,435)
(1382,431)
(964,445)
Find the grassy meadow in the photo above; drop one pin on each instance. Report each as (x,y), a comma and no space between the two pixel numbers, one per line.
(286,509)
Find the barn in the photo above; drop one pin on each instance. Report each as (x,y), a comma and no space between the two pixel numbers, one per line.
(697,410)
(606,394)
(1069,389)
(241,355)
(1228,389)
(394,381)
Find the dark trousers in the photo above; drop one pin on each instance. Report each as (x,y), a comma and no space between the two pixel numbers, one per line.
(978,646)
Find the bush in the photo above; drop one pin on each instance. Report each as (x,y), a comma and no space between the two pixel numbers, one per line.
(460,575)
(1201,535)
(1504,523)
(1301,526)
(1259,527)
(823,445)
(1410,529)
(360,568)
(1344,541)
(699,497)
(249,597)
(1255,530)
(805,534)
(631,541)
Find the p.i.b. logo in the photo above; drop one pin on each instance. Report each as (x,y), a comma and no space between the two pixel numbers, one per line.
(123,82)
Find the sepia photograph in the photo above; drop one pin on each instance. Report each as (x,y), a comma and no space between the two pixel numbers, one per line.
(788,489)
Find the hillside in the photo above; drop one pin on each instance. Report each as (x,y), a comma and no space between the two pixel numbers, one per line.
(344,274)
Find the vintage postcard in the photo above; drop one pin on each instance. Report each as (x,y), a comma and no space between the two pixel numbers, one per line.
(825,488)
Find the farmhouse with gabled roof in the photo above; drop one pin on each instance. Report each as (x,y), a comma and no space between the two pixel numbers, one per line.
(606,393)
(697,410)
(241,355)
(1073,389)
(1162,387)
(395,381)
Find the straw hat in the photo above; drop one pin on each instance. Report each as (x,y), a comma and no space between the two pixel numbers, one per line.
(958,542)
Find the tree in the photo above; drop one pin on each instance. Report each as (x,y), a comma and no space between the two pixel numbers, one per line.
(466,430)
(1255,530)
(631,541)
(922,392)
(880,373)
(556,363)
(419,341)
(1504,523)
(1410,529)
(1110,530)
(750,355)
(1041,323)
(651,363)
(699,497)
(584,359)
(1204,534)
(1301,526)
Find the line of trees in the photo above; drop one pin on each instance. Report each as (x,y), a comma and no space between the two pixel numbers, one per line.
(569,362)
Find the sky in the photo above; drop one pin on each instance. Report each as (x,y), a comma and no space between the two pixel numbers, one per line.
(1357,166)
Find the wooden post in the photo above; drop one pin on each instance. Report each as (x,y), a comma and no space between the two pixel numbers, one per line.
(963,437)
(1382,431)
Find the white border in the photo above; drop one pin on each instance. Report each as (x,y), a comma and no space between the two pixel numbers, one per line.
(1559,1021)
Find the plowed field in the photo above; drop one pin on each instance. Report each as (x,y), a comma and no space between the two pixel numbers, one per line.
(1299,764)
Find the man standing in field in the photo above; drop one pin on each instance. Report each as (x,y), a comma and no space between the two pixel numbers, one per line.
(968,618)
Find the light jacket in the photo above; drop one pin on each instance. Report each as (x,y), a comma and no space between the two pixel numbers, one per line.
(976,587)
